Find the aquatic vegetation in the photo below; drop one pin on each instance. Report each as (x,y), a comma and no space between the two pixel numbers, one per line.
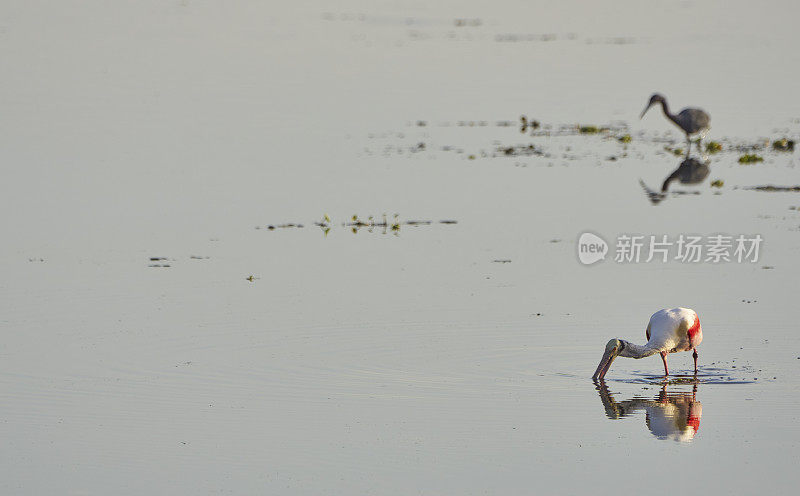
(356,223)
(783,145)
(770,187)
(625,139)
(272,227)
(750,158)
(713,147)
(717,183)
(520,150)
(675,151)
(162,262)
(588,129)
(525,124)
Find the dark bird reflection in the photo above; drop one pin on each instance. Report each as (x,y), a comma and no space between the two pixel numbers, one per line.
(669,415)
(690,171)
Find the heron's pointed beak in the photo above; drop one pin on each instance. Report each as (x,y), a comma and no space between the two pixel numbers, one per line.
(605,364)
(645,110)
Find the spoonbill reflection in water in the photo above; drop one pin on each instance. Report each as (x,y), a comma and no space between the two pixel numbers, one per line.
(669,415)
(669,331)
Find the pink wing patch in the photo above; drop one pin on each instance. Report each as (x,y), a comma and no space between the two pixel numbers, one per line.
(694,333)
(694,422)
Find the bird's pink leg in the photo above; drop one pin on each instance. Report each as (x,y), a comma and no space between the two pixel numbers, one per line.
(664,358)
(694,355)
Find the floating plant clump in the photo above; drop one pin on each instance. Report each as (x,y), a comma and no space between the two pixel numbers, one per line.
(356,223)
(675,151)
(525,124)
(520,150)
(750,158)
(783,145)
(770,187)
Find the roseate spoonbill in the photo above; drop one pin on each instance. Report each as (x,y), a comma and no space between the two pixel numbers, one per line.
(669,331)
(690,120)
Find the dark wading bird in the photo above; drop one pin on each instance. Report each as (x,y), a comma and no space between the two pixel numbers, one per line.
(669,331)
(690,120)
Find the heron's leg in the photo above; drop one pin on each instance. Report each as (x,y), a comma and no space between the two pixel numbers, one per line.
(664,358)
(700,141)
(694,355)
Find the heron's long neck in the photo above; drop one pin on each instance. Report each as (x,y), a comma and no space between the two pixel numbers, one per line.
(636,351)
(665,108)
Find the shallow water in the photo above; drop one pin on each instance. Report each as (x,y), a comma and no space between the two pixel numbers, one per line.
(160,338)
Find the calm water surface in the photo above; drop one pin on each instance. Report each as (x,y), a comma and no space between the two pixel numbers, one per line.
(430,359)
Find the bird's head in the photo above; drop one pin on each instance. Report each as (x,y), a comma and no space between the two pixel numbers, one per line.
(613,348)
(656,98)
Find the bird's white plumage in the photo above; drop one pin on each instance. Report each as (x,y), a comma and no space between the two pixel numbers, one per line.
(668,330)
(676,419)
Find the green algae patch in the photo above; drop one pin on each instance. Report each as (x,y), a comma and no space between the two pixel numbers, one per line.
(783,145)
(750,158)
